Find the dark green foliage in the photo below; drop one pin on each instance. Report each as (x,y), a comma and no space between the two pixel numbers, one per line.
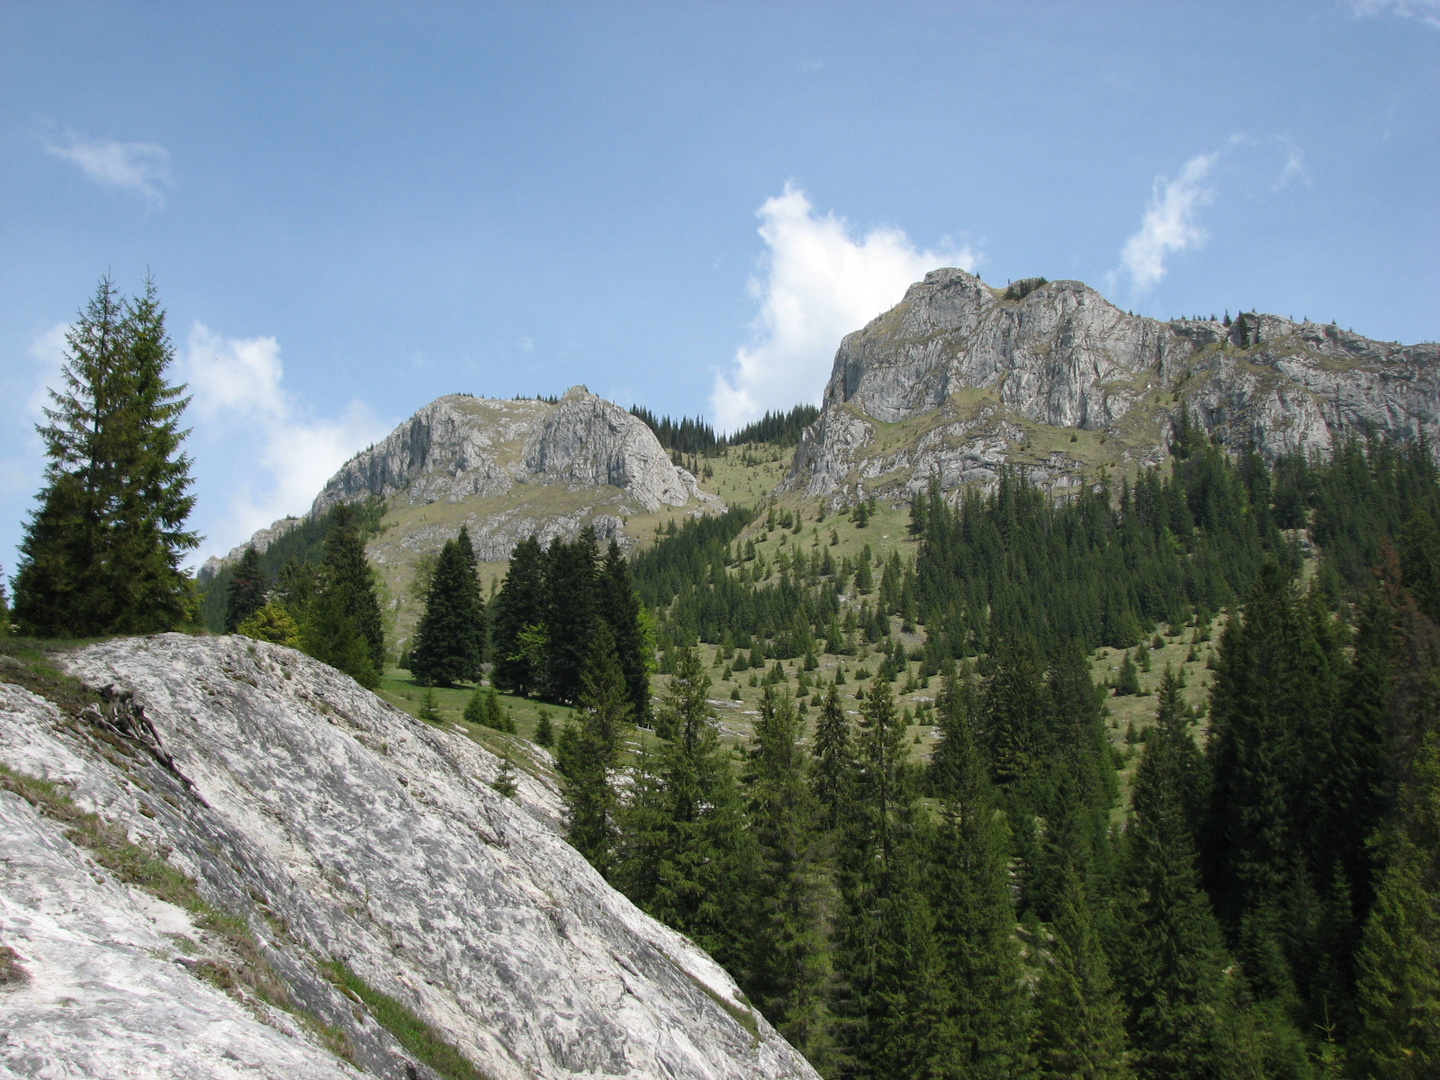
(1178,981)
(340,623)
(786,972)
(778,429)
(588,758)
(545,729)
(449,640)
(550,609)
(688,858)
(684,435)
(102,551)
(303,545)
(834,765)
(697,437)
(1271,710)
(620,609)
(518,657)
(247,590)
(1399,957)
(1094,569)
(990,1022)
(1127,682)
(571,612)
(1081,1031)
(429,711)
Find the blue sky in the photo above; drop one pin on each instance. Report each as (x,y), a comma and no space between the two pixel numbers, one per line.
(350,209)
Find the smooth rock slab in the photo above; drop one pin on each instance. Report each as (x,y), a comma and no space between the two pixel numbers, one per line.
(367,836)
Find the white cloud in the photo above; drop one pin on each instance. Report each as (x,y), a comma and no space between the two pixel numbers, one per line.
(141,168)
(1427,11)
(279,456)
(1294,168)
(1170,222)
(48,352)
(817,284)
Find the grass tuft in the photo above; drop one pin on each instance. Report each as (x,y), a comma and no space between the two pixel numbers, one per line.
(413,1033)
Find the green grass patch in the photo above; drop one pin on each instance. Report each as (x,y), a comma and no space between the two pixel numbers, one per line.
(413,1033)
(30,662)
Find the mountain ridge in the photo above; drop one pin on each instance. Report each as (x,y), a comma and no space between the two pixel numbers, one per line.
(985,375)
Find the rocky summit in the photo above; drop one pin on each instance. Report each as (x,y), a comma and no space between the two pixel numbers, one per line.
(337,855)
(960,380)
(509,470)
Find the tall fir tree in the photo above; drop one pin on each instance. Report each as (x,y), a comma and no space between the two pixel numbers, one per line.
(620,607)
(786,972)
(1271,708)
(101,553)
(247,590)
(1081,1032)
(590,756)
(1399,956)
(342,624)
(1180,985)
(832,773)
(448,641)
(692,859)
(989,1017)
(517,629)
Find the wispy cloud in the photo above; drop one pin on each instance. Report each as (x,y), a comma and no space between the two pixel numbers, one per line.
(1294,168)
(24,397)
(1427,11)
(279,454)
(1170,223)
(140,168)
(817,283)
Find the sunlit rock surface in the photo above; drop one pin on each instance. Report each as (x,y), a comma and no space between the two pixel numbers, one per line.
(338,828)
(959,381)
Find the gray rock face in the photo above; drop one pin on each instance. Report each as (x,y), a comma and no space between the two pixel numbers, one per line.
(521,467)
(457,448)
(336,827)
(988,370)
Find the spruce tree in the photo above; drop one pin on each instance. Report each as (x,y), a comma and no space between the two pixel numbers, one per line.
(517,631)
(989,1021)
(247,590)
(101,553)
(1180,986)
(604,713)
(787,968)
(1081,1031)
(693,860)
(342,622)
(447,646)
(1271,709)
(1399,957)
(620,607)
(571,611)
(832,773)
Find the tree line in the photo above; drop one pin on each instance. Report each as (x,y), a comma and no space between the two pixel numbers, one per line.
(694,436)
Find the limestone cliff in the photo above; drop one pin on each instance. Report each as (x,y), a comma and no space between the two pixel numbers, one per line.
(959,379)
(509,469)
(322,826)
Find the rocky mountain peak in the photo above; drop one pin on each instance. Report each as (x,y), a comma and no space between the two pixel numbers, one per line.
(1049,376)
(509,469)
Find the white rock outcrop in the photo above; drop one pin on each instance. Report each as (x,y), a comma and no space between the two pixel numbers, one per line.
(985,366)
(337,828)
